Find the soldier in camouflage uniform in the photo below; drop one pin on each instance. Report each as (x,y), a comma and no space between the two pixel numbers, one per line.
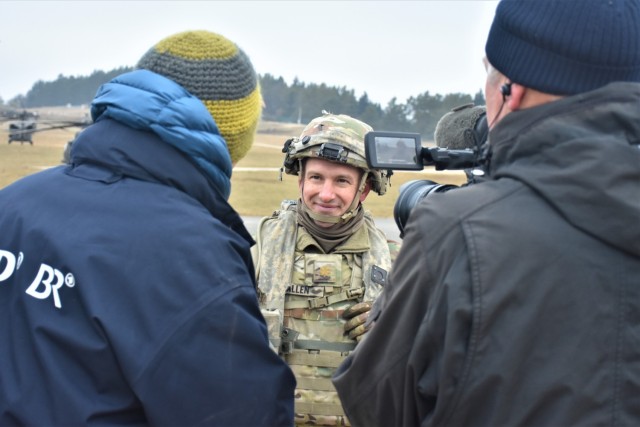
(321,262)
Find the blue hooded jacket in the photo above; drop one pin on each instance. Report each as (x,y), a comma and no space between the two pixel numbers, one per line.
(126,284)
(148,101)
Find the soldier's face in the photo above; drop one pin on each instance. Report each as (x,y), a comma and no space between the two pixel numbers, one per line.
(328,188)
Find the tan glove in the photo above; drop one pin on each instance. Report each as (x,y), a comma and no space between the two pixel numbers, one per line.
(357,314)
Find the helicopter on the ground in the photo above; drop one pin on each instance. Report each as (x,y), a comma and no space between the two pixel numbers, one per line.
(23,124)
(23,129)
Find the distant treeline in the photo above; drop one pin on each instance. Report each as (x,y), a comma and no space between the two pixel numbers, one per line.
(65,90)
(296,103)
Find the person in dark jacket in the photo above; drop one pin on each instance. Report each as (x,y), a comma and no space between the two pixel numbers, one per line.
(127,292)
(516,301)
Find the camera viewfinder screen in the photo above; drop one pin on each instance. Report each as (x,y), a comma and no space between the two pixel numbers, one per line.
(396,151)
(393,150)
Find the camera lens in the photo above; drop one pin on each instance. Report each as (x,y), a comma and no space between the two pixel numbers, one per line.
(411,192)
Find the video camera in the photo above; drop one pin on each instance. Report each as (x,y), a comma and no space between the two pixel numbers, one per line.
(404,151)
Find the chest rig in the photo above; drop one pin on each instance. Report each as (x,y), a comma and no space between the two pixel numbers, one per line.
(322,286)
(303,293)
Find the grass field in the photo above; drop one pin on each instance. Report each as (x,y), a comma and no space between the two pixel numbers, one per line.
(256,189)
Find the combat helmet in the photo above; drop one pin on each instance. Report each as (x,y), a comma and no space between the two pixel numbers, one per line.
(337,138)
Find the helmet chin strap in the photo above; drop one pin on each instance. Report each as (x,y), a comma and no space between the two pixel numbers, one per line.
(345,216)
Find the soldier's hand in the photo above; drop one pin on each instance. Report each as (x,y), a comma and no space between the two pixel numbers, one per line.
(357,315)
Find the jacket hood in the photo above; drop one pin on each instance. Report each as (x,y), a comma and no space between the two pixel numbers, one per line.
(127,152)
(145,100)
(582,155)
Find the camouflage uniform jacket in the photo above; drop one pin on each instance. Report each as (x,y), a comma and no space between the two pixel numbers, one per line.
(304,291)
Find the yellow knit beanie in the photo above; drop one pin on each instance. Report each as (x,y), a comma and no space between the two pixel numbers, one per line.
(218,72)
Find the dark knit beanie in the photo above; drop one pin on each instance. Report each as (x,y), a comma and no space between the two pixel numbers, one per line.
(564,47)
(219,73)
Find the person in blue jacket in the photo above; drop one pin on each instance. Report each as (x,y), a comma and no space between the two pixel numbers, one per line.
(127,292)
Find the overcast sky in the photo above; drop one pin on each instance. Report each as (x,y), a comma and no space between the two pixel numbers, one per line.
(384,48)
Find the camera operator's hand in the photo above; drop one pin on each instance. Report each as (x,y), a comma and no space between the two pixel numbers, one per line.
(357,315)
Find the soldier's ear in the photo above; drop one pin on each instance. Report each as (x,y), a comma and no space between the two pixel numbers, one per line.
(365,192)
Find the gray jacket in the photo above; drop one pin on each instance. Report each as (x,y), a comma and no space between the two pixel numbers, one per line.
(517,301)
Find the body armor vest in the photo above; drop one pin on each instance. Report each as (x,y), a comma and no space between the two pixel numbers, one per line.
(303,293)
